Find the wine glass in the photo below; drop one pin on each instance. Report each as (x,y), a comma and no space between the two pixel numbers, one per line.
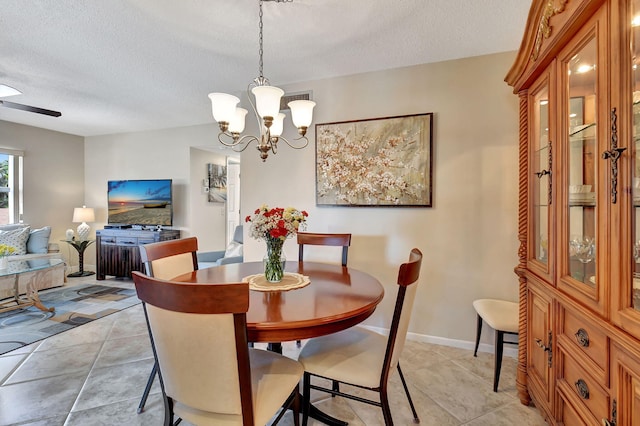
(583,248)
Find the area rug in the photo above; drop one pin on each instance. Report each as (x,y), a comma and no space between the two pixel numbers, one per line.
(75,305)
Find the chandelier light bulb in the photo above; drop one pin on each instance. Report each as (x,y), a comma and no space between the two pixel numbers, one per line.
(223,106)
(236,125)
(301,112)
(267,100)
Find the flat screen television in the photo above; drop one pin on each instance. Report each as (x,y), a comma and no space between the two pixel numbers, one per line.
(140,202)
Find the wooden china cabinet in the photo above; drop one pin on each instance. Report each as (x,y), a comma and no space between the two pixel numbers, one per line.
(577,76)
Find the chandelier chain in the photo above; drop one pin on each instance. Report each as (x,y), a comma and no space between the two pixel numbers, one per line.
(260,51)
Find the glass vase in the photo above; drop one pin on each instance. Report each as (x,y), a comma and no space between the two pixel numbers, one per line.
(274,260)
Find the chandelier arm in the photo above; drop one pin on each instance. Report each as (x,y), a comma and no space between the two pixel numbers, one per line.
(242,142)
(306,142)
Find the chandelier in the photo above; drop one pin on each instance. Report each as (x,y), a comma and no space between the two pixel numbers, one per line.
(231,118)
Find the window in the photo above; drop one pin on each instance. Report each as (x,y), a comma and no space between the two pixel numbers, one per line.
(10,186)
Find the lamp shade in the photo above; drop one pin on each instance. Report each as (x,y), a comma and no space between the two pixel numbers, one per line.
(83,214)
(223,106)
(278,125)
(236,125)
(267,100)
(301,112)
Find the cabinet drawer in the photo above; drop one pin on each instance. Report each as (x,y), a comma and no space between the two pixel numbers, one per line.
(127,241)
(146,240)
(570,416)
(107,240)
(581,388)
(582,335)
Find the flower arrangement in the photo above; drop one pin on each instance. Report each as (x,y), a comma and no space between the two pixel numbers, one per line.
(276,222)
(274,226)
(6,250)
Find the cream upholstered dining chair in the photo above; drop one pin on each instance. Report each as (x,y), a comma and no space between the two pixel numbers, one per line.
(361,357)
(208,374)
(317,239)
(166,260)
(502,316)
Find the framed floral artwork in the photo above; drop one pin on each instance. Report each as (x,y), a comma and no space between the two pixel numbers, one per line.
(375,162)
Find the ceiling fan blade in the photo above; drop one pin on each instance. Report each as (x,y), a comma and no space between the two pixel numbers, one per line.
(30,108)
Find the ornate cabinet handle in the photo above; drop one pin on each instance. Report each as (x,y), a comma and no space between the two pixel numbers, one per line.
(546,348)
(544,172)
(614,154)
(582,388)
(582,337)
(614,416)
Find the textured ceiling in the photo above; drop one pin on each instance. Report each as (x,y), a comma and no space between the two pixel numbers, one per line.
(114,66)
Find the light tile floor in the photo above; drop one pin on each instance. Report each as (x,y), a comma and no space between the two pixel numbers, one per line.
(95,375)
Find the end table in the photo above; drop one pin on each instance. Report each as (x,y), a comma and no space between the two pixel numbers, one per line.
(80,246)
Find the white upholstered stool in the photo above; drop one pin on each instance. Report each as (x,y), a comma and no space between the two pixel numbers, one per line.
(502,316)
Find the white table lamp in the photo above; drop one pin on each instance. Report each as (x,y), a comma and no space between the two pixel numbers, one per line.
(83,214)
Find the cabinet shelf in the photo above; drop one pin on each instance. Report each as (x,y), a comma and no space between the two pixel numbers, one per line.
(583,131)
(591,203)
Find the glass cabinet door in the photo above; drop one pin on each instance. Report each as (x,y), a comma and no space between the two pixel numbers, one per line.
(579,168)
(541,179)
(634,287)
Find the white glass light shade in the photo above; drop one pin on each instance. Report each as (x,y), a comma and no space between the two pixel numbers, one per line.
(278,125)
(223,106)
(236,125)
(301,112)
(267,100)
(8,91)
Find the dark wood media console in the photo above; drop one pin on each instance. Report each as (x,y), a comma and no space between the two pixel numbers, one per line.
(117,250)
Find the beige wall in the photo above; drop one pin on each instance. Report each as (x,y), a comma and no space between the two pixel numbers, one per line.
(208,218)
(53,178)
(468,238)
(158,154)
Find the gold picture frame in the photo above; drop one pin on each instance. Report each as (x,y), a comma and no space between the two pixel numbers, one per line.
(381,162)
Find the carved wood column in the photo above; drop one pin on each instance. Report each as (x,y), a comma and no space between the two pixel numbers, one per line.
(523,185)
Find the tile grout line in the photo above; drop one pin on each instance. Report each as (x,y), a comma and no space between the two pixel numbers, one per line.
(86,379)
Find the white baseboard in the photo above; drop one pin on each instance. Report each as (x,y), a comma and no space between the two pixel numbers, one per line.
(509,350)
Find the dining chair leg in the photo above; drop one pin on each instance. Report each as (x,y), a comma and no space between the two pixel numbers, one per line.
(335,387)
(416,419)
(386,410)
(478,333)
(147,388)
(297,402)
(498,360)
(168,410)
(306,398)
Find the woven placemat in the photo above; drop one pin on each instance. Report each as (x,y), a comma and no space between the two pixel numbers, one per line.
(290,281)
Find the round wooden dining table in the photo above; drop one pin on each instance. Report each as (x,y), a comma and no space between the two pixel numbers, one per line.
(336,298)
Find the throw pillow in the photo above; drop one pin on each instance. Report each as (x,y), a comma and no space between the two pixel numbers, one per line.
(13,226)
(38,241)
(16,239)
(233,249)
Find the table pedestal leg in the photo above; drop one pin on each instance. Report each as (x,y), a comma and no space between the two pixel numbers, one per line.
(81,272)
(275,347)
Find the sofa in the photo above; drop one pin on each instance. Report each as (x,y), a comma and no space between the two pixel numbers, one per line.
(31,245)
(232,254)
